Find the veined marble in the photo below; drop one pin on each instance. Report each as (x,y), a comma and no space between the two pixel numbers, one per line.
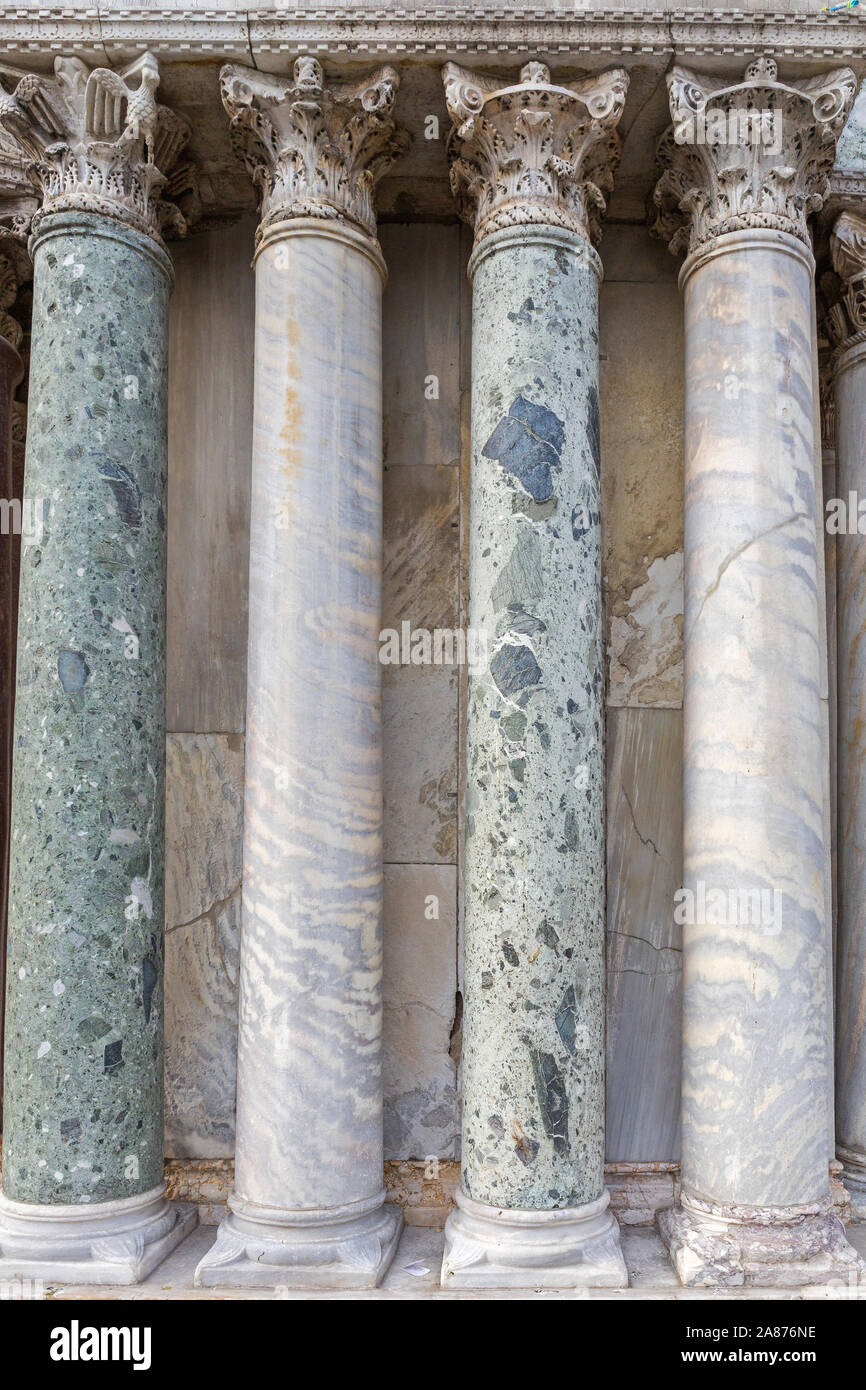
(532,1207)
(308,1202)
(849,384)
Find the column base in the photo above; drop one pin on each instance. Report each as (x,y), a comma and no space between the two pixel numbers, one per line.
(853,1175)
(496,1248)
(767,1247)
(117,1242)
(268,1247)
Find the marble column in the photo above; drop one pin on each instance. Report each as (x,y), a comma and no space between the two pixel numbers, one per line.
(744,164)
(847,321)
(531,161)
(308,1207)
(83,1197)
(14,267)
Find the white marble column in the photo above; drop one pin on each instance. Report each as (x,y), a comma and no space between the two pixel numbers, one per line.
(847,322)
(308,1207)
(743,166)
(531,161)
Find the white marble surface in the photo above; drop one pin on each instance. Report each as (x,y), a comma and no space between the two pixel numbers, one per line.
(309,1117)
(850,385)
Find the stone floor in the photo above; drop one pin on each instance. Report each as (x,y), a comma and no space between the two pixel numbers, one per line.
(415,1274)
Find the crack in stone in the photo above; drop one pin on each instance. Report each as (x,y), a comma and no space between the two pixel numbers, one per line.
(741,550)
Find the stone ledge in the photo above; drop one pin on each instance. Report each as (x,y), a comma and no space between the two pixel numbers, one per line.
(186,33)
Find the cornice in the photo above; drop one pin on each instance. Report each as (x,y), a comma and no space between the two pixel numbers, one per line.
(265,37)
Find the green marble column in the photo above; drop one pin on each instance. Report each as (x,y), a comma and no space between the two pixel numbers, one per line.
(532,1210)
(83,1192)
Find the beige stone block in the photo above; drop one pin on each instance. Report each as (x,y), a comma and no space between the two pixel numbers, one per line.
(421,1114)
(421,335)
(642,480)
(419,756)
(421,546)
(204,827)
(210,403)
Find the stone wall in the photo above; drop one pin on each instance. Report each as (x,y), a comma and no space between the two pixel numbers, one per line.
(426,373)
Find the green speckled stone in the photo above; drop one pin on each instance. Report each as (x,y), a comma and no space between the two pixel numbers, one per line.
(84,1052)
(533,1083)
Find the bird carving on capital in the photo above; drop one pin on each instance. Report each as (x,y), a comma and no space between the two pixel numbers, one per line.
(115,111)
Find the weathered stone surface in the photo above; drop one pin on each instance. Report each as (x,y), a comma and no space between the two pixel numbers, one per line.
(421,1113)
(642,433)
(421,312)
(644,944)
(85,1004)
(421,544)
(210,415)
(419,756)
(204,828)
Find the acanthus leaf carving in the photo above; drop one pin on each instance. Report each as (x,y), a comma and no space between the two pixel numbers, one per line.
(95,140)
(846,319)
(533,151)
(753,154)
(313,149)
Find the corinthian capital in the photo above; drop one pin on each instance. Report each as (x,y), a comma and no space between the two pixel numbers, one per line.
(755,153)
(98,141)
(846,319)
(313,150)
(531,150)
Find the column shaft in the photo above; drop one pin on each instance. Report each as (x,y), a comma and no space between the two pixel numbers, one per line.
(532,1209)
(11,371)
(83,1193)
(83,1080)
(849,383)
(308,1204)
(755,1205)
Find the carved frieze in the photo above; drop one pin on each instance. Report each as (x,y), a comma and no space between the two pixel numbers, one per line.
(846,319)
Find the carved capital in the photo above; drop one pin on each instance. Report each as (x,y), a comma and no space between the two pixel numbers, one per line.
(98,141)
(757,153)
(14,271)
(846,319)
(313,150)
(532,151)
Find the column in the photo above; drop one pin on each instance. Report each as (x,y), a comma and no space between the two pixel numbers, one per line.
(83,1197)
(14,268)
(308,1207)
(847,321)
(531,161)
(744,164)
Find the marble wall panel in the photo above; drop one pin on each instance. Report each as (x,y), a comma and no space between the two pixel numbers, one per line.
(209,453)
(204,828)
(644,955)
(421,1116)
(642,472)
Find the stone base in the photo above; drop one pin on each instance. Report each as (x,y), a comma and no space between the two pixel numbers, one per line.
(337,1248)
(494,1248)
(116,1242)
(854,1179)
(777,1248)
